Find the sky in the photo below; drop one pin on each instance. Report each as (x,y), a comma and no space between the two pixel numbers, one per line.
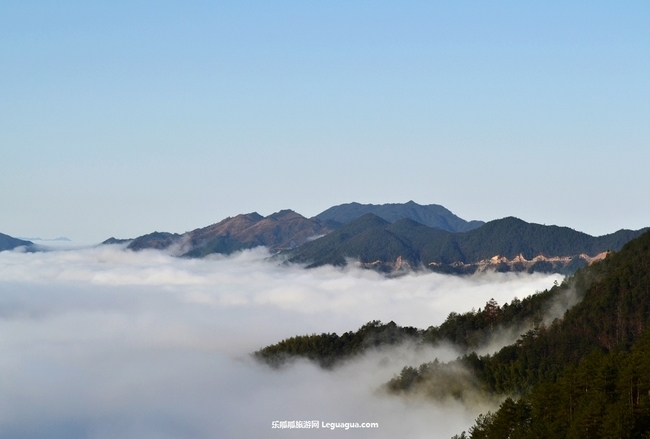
(121,118)
(102,342)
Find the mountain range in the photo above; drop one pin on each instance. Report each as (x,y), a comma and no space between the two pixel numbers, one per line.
(504,244)
(280,231)
(388,238)
(394,237)
(582,373)
(287,229)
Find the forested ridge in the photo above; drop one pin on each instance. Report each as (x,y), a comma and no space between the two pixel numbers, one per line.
(467,331)
(584,376)
(373,240)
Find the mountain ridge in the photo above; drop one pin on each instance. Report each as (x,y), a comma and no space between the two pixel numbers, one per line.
(511,243)
(432,215)
(396,243)
(584,373)
(279,231)
(9,242)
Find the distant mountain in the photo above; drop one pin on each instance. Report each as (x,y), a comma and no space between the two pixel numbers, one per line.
(113,240)
(397,237)
(505,244)
(282,230)
(60,239)
(286,230)
(9,243)
(431,215)
(155,240)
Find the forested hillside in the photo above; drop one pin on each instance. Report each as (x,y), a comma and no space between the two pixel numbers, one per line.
(467,331)
(377,243)
(584,376)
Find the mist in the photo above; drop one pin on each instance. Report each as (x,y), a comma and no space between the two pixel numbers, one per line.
(104,342)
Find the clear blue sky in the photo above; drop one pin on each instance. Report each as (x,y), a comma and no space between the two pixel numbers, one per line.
(120,118)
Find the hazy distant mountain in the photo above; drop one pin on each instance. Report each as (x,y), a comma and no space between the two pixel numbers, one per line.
(431,215)
(113,240)
(282,230)
(9,243)
(59,239)
(504,244)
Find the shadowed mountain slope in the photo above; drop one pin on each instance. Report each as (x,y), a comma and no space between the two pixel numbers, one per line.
(517,244)
(9,242)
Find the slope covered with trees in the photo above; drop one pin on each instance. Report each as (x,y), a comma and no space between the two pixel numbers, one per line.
(467,331)
(378,243)
(586,375)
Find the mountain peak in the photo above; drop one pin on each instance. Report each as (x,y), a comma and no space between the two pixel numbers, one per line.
(284,215)
(432,215)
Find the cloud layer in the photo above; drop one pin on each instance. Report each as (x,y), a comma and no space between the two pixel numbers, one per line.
(103,342)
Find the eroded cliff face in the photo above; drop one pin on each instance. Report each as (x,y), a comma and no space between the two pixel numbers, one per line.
(540,263)
(396,267)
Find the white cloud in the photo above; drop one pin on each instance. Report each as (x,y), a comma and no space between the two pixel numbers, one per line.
(103,342)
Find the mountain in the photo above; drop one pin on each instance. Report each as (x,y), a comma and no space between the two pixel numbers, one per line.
(282,230)
(431,215)
(9,243)
(59,239)
(155,240)
(504,244)
(369,239)
(396,237)
(511,237)
(466,332)
(114,240)
(585,375)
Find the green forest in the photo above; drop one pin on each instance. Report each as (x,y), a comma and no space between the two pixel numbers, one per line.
(371,238)
(467,331)
(586,375)
(583,375)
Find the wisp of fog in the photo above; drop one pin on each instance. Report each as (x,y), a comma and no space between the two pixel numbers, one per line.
(104,342)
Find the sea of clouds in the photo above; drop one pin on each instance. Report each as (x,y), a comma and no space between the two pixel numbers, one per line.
(107,343)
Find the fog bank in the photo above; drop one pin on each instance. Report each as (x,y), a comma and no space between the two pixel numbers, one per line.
(103,342)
